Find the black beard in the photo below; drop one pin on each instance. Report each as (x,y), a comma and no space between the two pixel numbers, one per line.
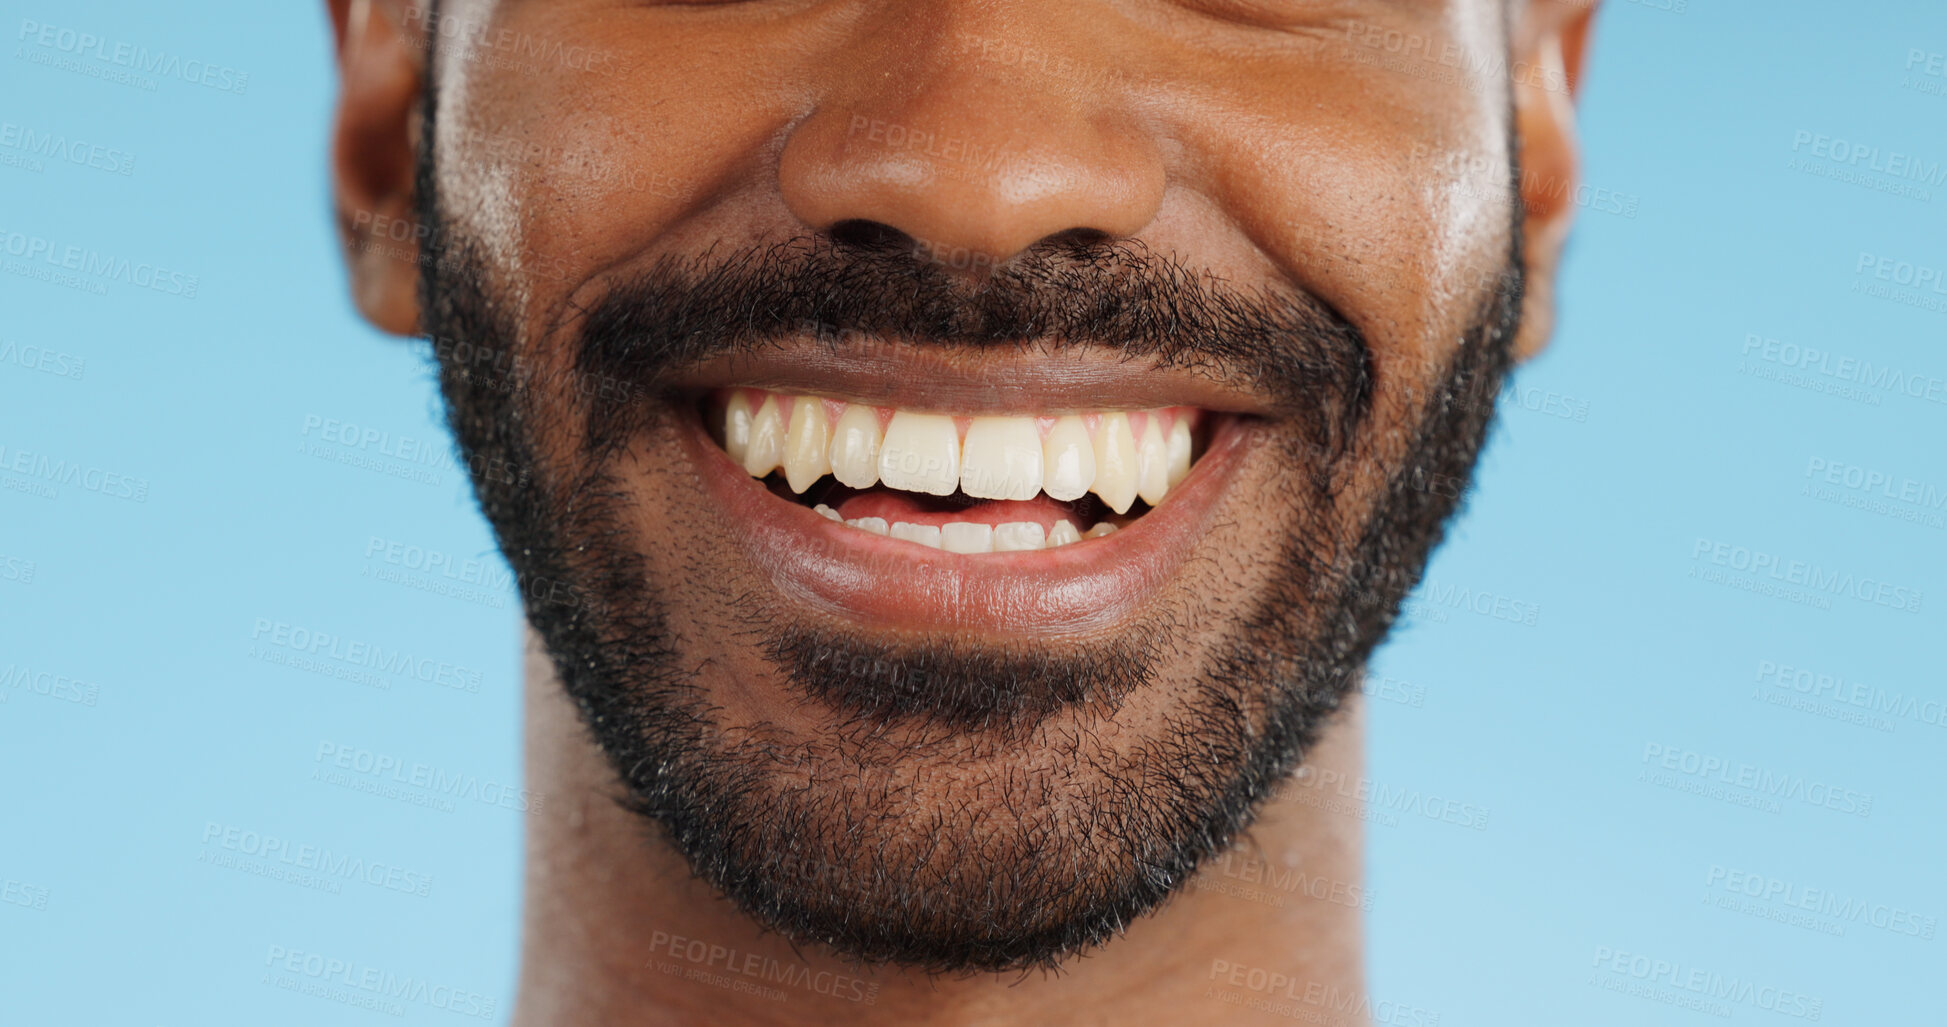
(853,866)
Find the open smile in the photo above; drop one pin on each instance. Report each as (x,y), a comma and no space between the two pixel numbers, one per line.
(1025,520)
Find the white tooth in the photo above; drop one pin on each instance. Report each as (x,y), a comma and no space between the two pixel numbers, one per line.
(875,525)
(1069,459)
(1104,528)
(766,440)
(1020,536)
(855,447)
(924,534)
(1179,447)
(967,537)
(807,445)
(921,453)
(1001,458)
(826,512)
(736,427)
(1063,533)
(1152,462)
(1115,462)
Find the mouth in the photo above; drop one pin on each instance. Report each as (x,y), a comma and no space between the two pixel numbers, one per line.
(1002,517)
(968,485)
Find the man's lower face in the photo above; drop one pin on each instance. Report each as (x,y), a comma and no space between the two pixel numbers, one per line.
(952,622)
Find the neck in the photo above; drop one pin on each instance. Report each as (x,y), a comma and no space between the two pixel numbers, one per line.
(617,932)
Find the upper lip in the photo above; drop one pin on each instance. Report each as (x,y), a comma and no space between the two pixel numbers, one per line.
(989,379)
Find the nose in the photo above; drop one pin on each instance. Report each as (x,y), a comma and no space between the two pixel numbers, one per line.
(975,140)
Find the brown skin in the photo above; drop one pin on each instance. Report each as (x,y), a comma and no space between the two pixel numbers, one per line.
(596,895)
(1259,139)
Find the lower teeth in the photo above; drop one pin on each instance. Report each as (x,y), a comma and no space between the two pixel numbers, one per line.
(969,537)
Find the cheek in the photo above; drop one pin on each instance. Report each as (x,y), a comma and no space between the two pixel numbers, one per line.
(567,171)
(1387,198)
(1367,219)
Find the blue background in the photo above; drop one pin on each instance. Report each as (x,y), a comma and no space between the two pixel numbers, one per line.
(1648,430)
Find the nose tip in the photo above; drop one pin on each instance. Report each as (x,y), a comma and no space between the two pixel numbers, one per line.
(973,195)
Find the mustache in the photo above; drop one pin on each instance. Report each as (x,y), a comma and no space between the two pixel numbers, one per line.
(1067,292)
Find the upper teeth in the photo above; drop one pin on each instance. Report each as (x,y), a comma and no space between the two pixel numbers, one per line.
(1118,455)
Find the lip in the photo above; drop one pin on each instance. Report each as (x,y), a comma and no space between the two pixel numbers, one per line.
(995,379)
(875,581)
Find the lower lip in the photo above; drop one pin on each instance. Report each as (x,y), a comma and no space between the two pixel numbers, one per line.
(877,581)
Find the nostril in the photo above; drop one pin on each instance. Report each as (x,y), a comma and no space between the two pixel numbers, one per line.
(866,234)
(1077,240)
